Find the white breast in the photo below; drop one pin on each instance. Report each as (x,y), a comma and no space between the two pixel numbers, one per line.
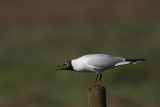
(80,65)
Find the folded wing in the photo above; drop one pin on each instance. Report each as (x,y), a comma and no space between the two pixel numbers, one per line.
(102,61)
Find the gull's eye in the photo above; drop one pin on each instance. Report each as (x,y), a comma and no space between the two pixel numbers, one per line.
(66,64)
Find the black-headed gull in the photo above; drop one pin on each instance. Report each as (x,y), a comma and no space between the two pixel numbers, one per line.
(96,63)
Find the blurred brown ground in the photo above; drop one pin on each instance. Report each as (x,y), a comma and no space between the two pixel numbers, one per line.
(28,13)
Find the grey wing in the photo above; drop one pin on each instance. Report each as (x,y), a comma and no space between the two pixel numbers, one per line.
(102,61)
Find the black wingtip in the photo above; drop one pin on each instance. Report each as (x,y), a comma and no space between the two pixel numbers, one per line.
(143,60)
(134,60)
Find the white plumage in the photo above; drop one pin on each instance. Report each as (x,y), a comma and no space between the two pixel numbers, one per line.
(97,63)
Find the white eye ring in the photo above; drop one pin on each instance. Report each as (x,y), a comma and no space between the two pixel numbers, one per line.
(66,64)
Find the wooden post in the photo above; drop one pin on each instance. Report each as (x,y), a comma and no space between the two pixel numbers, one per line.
(97,97)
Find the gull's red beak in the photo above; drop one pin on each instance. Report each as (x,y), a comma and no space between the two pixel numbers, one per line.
(59,67)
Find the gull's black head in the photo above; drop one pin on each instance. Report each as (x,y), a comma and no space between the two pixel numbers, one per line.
(66,66)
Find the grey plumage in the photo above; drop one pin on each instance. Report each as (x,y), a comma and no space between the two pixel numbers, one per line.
(102,61)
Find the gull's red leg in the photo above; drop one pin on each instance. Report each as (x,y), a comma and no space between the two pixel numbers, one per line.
(100,80)
(95,80)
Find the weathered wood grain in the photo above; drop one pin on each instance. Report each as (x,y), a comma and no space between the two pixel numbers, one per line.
(97,97)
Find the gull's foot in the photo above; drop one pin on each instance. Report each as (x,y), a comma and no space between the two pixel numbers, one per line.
(89,88)
(98,85)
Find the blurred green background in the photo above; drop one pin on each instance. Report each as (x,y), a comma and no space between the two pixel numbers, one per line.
(35,36)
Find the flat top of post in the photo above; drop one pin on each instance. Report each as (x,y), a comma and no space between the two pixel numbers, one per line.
(97,88)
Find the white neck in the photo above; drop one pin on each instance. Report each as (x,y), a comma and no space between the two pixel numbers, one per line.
(78,64)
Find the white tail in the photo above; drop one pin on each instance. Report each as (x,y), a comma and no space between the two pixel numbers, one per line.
(129,61)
